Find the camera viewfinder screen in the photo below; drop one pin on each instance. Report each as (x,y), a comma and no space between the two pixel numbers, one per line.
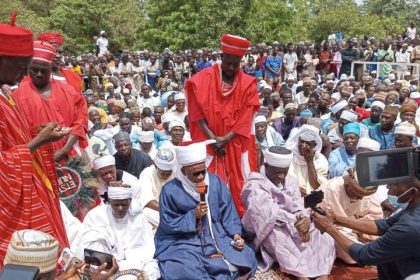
(388,166)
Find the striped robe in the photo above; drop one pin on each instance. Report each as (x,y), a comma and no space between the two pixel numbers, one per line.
(25,200)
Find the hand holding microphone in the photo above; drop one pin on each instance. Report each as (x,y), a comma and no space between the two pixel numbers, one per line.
(202,207)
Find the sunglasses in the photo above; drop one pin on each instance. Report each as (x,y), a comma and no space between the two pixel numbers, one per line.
(198,173)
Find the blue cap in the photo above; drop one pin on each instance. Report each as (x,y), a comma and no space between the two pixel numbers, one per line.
(352,128)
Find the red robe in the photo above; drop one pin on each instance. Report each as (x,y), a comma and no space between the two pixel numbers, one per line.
(224,114)
(72,79)
(25,200)
(64,106)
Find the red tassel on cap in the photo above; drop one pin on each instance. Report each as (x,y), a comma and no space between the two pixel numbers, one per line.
(13,19)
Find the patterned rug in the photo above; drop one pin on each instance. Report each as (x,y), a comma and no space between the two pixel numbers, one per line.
(340,271)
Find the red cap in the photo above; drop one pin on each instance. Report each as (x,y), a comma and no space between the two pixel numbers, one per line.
(15,41)
(234,45)
(44,52)
(51,37)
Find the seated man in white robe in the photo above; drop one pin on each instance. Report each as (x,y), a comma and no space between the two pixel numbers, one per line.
(121,229)
(344,197)
(109,176)
(309,166)
(266,135)
(276,218)
(146,141)
(152,180)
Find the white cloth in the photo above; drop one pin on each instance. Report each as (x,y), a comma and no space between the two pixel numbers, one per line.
(104,161)
(338,106)
(165,159)
(102,43)
(130,240)
(119,193)
(406,128)
(173,114)
(368,143)
(299,168)
(192,154)
(349,116)
(278,160)
(73,227)
(146,102)
(151,185)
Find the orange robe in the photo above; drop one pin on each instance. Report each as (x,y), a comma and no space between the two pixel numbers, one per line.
(28,182)
(64,106)
(224,114)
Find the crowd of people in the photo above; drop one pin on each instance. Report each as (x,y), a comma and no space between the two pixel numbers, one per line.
(194,164)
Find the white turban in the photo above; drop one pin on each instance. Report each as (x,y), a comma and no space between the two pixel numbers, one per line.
(165,159)
(290,106)
(192,154)
(415,94)
(146,136)
(306,133)
(290,77)
(338,106)
(260,118)
(179,96)
(349,116)
(406,128)
(278,160)
(119,193)
(175,123)
(104,161)
(379,104)
(368,143)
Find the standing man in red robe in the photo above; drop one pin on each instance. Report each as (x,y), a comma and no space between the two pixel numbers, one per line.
(222,101)
(44,100)
(28,184)
(66,76)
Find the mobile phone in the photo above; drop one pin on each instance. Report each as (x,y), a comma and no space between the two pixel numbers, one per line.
(98,258)
(21,272)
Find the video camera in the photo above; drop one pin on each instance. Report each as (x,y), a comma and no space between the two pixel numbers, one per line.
(388,167)
(312,200)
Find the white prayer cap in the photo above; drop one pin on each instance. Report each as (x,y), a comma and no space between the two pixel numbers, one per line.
(146,136)
(175,123)
(278,157)
(165,159)
(343,77)
(126,91)
(102,32)
(349,116)
(368,143)
(119,193)
(193,153)
(338,106)
(406,128)
(391,76)
(30,247)
(103,161)
(290,77)
(167,118)
(179,96)
(266,86)
(260,118)
(379,104)
(415,94)
(290,106)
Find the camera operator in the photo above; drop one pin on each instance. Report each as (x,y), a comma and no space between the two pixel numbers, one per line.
(397,251)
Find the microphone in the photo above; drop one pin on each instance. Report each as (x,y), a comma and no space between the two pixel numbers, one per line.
(202,190)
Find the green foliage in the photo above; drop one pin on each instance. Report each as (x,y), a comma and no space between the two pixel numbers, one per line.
(186,24)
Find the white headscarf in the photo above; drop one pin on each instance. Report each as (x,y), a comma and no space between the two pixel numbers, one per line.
(189,155)
(306,133)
